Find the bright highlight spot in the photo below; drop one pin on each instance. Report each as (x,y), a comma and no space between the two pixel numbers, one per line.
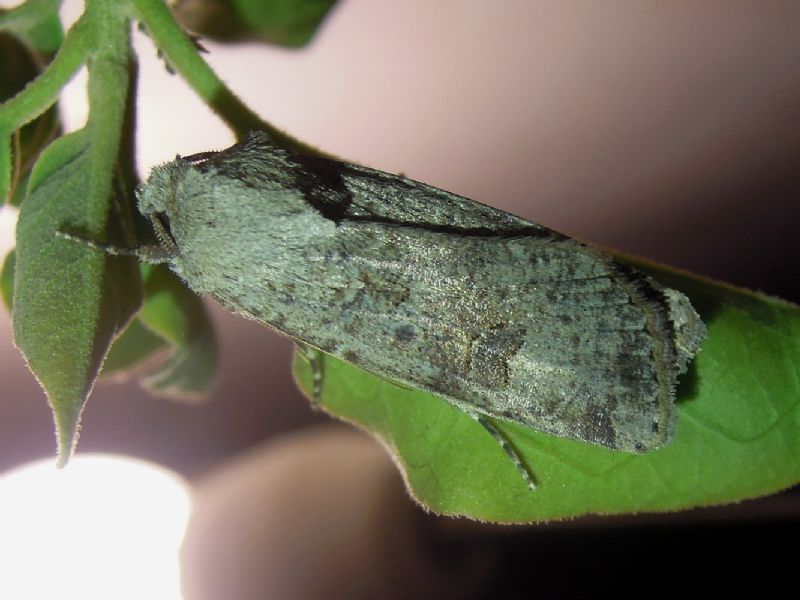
(104,527)
(8,222)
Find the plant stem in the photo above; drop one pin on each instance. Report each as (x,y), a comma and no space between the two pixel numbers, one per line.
(109,70)
(41,93)
(182,55)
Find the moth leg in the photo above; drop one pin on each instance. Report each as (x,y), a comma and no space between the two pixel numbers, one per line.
(314,359)
(151,254)
(509,449)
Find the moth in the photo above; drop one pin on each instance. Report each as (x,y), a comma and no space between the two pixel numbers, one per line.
(499,316)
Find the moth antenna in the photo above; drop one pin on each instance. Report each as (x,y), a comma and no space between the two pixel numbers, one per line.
(150,254)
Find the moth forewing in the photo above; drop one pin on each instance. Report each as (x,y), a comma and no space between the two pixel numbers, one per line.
(497,315)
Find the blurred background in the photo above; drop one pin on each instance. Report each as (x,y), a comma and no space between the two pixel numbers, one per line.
(666,130)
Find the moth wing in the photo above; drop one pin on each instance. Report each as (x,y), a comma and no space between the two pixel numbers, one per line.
(537,330)
(490,311)
(366,194)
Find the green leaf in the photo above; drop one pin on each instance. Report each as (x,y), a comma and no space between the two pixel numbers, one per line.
(37,23)
(17,69)
(136,345)
(738,432)
(178,316)
(172,318)
(7,278)
(70,300)
(290,23)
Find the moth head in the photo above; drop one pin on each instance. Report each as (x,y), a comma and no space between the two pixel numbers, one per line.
(157,199)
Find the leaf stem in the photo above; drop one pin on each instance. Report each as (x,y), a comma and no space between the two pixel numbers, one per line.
(40,94)
(182,55)
(43,91)
(109,79)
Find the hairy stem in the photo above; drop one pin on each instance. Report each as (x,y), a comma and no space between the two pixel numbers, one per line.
(183,56)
